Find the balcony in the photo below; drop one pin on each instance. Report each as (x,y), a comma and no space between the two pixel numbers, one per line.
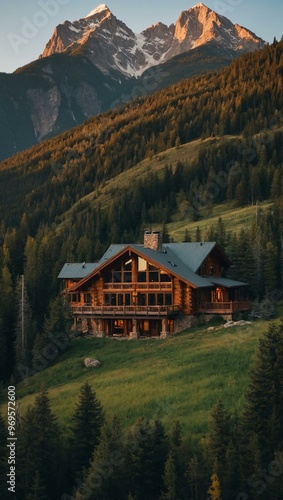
(138,286)
(124,311)
(225,307)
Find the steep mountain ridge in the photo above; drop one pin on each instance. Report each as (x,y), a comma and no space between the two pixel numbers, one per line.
(109,43)
(243,100)
(97,63)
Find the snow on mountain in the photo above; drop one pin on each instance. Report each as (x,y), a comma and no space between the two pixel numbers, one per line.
(100,8)
(110,45)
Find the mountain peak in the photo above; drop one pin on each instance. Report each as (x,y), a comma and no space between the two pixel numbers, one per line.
(100,8)
(110,45)
(200,5)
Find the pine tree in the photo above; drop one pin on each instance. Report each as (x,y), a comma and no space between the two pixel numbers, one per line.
(37,490)
(86,426)
(214,490)
(6,325)
(55,336)
(263,412)
(219,437)
(39,449)
(270,268)
(170,479)
(105,476)
(146,454)
(198,234)
(178,449)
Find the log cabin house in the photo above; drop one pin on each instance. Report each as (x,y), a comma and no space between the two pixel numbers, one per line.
(152,289)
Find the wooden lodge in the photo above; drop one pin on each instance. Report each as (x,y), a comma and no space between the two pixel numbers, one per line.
(152,289)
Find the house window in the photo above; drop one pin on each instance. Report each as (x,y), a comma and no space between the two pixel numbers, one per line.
(218,295)
(155,299)
(142,299)
(75,297)
(121,274)
(87,299)
(153,273)
(168,299)
(164,277)
(151,299)
(119,299)
(160,299)
(142,276)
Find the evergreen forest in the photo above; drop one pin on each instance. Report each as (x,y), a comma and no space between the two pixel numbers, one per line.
(52,212)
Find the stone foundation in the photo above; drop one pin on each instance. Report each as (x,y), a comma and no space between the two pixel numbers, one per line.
(185,322)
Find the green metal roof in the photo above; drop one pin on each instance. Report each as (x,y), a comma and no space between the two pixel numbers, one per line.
(180,259)
(170,261)
(191,254)
(227,283)
(77,270)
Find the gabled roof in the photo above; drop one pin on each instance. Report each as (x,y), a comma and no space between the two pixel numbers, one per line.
(166,259)
(193,254)
(171,262)
(179,259)
(77,270)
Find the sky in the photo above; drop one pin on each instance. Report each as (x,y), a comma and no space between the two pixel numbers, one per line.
(26,26)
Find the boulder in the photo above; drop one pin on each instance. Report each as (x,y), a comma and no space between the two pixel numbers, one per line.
(91,362)
(236,323)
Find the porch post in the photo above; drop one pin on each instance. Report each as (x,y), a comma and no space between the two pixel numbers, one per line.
(165,331)
(101,331)
(134,332)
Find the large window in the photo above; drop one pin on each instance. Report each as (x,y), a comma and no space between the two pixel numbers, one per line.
(151,274)
(120,274)
(155,299)
(117,299)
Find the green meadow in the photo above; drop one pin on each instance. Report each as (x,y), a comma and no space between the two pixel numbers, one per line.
(177,378)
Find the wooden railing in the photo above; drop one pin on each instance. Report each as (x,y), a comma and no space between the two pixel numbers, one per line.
(138,286)
(225,307)
(124,310)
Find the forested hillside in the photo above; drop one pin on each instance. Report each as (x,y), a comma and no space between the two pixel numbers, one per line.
(47,218)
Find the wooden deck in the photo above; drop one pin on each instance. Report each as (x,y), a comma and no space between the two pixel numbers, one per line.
(125,311)
(225,307)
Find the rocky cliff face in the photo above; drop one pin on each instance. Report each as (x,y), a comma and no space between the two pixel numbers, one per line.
(97,63)
(110,44)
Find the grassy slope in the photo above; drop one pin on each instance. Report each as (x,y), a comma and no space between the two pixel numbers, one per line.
(236,218)
(178,378)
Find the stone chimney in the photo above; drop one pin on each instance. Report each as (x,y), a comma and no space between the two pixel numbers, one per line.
(153,240)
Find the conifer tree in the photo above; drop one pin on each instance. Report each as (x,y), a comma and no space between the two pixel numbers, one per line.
(270,268)
(178,449)
(219,437)
(170,479)
(86,426)
(104,478)
(55,336)
(214,490)
(39,450)
(37,490)
(263,412)
(6,325)
(146,453)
